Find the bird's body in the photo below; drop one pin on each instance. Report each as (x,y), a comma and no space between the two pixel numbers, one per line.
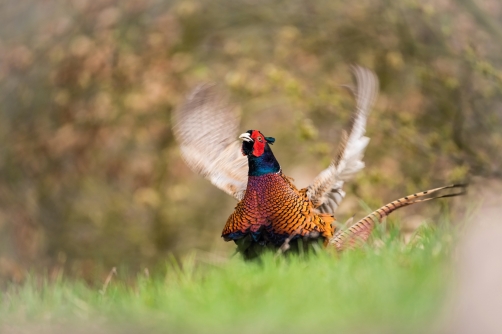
(271,211)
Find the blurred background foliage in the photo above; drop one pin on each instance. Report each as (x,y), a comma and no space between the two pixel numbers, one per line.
(90,174)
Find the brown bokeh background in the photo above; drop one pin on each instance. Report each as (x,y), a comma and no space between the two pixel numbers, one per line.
(90,174)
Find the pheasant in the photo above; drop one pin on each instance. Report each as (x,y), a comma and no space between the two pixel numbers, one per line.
(272,213)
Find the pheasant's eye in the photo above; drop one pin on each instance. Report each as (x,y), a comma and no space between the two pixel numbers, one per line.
(260,139)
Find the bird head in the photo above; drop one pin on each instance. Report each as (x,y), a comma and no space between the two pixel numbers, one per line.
(254,142)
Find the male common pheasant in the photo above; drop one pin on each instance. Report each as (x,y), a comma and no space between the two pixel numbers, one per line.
(272,213)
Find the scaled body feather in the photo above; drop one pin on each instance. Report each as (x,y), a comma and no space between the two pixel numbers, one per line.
(273,209)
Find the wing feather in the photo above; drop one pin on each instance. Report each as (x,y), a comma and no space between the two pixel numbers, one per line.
(206,128)
(326,191)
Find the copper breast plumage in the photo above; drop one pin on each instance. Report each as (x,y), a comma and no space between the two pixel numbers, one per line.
(273,209)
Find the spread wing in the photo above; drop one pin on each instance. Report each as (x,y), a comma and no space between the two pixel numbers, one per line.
(206,128)
(326,191)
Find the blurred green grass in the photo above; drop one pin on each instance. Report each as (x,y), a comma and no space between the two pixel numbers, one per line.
(388,286)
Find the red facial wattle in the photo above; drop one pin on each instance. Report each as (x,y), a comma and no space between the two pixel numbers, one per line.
(259,143)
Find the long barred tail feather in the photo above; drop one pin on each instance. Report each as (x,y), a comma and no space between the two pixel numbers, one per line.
(360,231)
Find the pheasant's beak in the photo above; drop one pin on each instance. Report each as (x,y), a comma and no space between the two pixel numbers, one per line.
(246,137)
